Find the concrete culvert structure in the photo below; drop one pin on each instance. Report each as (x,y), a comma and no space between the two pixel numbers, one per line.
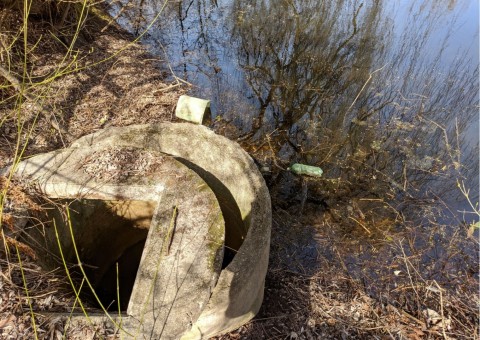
(192,203)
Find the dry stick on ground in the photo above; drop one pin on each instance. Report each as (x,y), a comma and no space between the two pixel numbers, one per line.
(441,310)
(361,224)
(273,152)
(406,262)
(114,19)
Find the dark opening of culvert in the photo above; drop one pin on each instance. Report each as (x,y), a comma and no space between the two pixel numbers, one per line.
(106,233)
(115,287)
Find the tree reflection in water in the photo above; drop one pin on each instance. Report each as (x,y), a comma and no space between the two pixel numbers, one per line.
(369,91)
(342,88)
(382,95)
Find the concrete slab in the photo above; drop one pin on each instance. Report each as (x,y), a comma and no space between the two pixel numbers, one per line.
(106,187)
(242,197)
(245,204)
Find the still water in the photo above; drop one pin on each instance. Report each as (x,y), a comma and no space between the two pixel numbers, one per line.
(382,95)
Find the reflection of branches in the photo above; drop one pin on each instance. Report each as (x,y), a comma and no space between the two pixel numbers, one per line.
(318,70)
(296,68)
(361,90)
(354,32)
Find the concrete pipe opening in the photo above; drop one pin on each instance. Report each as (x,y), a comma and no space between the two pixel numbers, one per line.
(184,203)
(106,233)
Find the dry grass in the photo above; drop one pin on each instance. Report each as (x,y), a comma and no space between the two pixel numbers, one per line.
(93,91)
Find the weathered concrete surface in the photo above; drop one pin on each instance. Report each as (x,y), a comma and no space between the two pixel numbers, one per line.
(183,252)
(244,201)
(180,263)
(242,193)
(192,109)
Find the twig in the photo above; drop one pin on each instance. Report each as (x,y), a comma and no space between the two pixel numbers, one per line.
(179,80)
(361,90)
(114,19)
(43,295)
(170,231)
(408,272)
(167,88)
(441,310)
(361,224)
(273,152)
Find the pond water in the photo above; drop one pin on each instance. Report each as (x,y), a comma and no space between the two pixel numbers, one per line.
(382,95)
